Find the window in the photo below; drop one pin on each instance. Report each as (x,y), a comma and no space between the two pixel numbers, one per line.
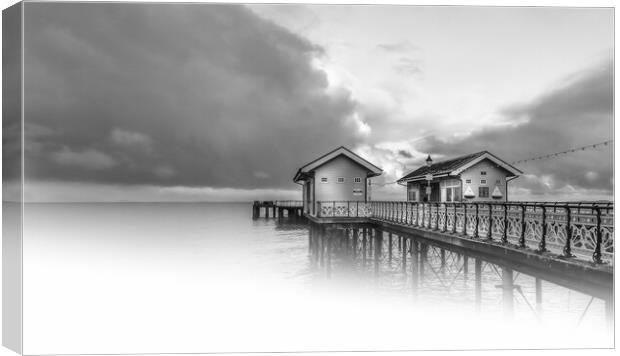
(483,192)
(323,179)
(483,181)
(357,180)
(483,173)
(412,195)
(340,180)
(358,191)
(468,181)
(498,181)
(449,194)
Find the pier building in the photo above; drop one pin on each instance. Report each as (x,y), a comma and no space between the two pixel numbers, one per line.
(476,177)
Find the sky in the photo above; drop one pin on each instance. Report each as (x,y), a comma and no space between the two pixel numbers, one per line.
(176,102)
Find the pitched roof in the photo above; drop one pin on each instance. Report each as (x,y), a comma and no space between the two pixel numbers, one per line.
(306,169)
(457,165)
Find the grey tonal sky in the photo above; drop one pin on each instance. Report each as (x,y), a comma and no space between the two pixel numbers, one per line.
(225,102)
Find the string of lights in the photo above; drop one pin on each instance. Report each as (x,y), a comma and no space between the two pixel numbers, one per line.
(547,156)
(571,150)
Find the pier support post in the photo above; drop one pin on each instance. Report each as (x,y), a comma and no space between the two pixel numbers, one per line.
(378,245)
(507,293)
(539,298)
(355,233)
(465,268)
(414,267)
(390,247)
(478,287)
(404,256)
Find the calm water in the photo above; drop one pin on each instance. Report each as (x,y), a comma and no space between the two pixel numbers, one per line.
(124,278)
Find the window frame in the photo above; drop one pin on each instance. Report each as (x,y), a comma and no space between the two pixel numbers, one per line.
(483,189)
(340,182)
(357,180)
(324,180)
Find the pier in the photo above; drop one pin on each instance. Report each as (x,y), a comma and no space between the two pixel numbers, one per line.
(278,208)
(570,240)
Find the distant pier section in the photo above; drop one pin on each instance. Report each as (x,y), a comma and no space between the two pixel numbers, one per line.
(277,208)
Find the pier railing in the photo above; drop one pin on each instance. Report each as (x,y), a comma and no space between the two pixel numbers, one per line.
(572,230)
(343,209)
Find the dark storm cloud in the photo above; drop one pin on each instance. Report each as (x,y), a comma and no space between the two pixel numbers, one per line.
(197,95)
(577,113)
(404,154)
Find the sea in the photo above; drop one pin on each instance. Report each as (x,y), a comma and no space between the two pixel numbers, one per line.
(206,277)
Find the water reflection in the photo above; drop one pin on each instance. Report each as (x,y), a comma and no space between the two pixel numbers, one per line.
(428,270)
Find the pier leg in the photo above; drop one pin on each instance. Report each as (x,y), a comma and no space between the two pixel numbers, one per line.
(478,273)
(321,247)
(442,253)
(507,293)
(255,213)
(328,268)
(378,244)
(465,268)
(267,212)
(355,232)
(390,247)
(414,267)
(423,258)
(539,309)
(364,246)
(609,314)
(404,255)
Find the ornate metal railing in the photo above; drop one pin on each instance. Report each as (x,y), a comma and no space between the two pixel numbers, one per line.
(580,230)
(343,209)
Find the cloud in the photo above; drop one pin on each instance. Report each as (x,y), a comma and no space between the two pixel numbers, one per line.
(577,112)
(398,47)
(404,154)
(211,92)
(409,66)
(129,139)
(89,159)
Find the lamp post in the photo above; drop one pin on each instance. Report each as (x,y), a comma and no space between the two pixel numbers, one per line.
(429,177)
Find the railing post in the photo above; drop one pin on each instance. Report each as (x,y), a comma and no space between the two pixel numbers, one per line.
(436,216)
(423,215)
(542,246)
(349,209)
(597,255)
(334,208)
(522,237)
(477,221)
(445,220)
(569,234)
(505,232)
(454,222)
(464,219)
(490,232)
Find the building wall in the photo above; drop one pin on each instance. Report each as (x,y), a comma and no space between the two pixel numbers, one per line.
(495,177)
(332,190)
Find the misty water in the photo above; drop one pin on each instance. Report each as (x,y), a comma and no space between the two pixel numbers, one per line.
(130,278)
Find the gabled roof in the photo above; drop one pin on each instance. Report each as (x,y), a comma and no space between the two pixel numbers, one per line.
(304,171)
(457,165)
